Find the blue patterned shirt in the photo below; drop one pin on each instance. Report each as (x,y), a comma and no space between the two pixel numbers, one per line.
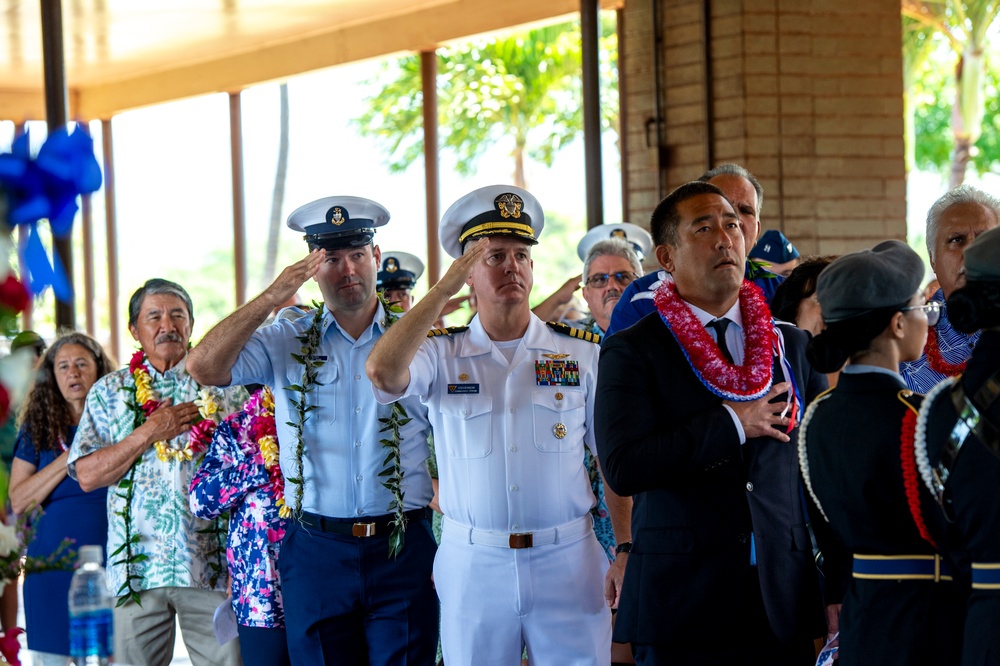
(955,346)
(179,556)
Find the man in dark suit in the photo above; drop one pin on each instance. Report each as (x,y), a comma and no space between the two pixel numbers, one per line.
(721,570)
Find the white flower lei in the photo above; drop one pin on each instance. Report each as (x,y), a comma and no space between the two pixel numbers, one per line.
(920,437)
(803,454)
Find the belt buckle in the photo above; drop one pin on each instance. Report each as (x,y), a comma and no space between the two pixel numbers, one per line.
(520,540)
(363,529)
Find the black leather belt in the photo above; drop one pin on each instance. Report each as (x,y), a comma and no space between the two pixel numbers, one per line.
(361,527)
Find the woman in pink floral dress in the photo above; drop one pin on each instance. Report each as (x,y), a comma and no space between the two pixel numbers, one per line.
(240,474)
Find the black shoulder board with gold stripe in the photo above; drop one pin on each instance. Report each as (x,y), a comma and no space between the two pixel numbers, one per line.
(566,329)
(910,399)
(446,331)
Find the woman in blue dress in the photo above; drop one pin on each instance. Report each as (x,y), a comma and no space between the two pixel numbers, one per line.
(48,423)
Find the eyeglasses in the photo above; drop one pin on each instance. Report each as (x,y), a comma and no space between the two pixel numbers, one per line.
(598,280)
(931,309)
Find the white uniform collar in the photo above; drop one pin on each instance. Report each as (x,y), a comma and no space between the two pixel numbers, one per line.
(477,342)
(378,319)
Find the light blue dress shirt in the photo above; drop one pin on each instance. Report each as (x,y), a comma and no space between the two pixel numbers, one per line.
(343,454)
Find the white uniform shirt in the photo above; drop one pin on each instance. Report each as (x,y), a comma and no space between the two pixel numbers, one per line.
(343,454)
(501,464)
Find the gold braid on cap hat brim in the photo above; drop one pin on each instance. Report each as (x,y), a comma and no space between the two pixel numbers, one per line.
(495,228)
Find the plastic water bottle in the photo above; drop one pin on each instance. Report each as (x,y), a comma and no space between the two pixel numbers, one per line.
(91,611)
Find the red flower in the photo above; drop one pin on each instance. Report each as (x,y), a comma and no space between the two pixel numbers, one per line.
(10,646)
(201,435)
(149,407)
(13,294)
(136,361)
(262,427)
(4,402)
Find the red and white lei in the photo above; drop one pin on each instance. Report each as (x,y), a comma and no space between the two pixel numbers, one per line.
(739,383)
(146,401)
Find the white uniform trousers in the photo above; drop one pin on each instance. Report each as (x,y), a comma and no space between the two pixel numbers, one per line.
(550,598)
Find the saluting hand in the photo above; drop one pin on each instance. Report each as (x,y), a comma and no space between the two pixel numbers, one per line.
(762,418)
(293,277)
(168,421)
(461,268)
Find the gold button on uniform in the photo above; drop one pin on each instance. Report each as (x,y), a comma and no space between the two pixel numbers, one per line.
(559,396)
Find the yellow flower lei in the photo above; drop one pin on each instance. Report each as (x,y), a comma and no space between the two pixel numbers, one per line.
(208,407)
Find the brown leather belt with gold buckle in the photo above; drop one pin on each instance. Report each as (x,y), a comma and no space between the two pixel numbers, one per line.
(380,525)
(363,529)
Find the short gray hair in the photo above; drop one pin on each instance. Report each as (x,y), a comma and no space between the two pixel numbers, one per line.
(960,195)
(730,169)
(612,247)
(156,286)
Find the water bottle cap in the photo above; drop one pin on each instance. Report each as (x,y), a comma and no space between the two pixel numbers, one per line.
(91,554)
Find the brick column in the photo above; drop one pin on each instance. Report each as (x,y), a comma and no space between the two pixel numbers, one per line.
(806,94)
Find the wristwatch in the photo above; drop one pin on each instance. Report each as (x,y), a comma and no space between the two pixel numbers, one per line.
(624,547)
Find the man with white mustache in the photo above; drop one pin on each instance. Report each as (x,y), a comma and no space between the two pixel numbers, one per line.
(137,435)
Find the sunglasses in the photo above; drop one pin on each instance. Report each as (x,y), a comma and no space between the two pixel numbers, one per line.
(598,280)
(931,309)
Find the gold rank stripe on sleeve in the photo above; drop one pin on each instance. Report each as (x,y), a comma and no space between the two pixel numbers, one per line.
(434,332)
(565,329)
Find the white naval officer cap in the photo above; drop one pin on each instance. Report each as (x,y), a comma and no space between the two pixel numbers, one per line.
(495,210)
(633,234)
(335,223)
(399,270)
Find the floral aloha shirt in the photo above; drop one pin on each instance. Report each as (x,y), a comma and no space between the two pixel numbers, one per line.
(182,550)
(233,478)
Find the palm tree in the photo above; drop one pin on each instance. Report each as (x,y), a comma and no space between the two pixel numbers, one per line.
(278,198)
(524,88)
(964,25)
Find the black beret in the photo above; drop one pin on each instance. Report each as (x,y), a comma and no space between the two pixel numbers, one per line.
(888,274)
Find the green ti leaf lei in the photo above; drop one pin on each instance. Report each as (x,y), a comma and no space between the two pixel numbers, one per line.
(125,490)
(310,370)
(393,472)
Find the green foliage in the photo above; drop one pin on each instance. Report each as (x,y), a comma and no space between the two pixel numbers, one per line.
(963,26)
(524,88)
(933,96)
(555,255)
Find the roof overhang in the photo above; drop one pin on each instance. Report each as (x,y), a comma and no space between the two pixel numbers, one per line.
(122,54)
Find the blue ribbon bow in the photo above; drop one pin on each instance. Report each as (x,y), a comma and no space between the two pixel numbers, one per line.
(46,187)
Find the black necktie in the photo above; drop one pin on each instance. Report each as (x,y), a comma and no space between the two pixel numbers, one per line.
(720,326)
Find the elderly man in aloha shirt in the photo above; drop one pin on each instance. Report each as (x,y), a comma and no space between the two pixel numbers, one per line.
(178,567)
(953,222)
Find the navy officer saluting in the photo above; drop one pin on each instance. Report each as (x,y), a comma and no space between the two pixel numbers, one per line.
(397,276)
(345,598)
(511,400)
